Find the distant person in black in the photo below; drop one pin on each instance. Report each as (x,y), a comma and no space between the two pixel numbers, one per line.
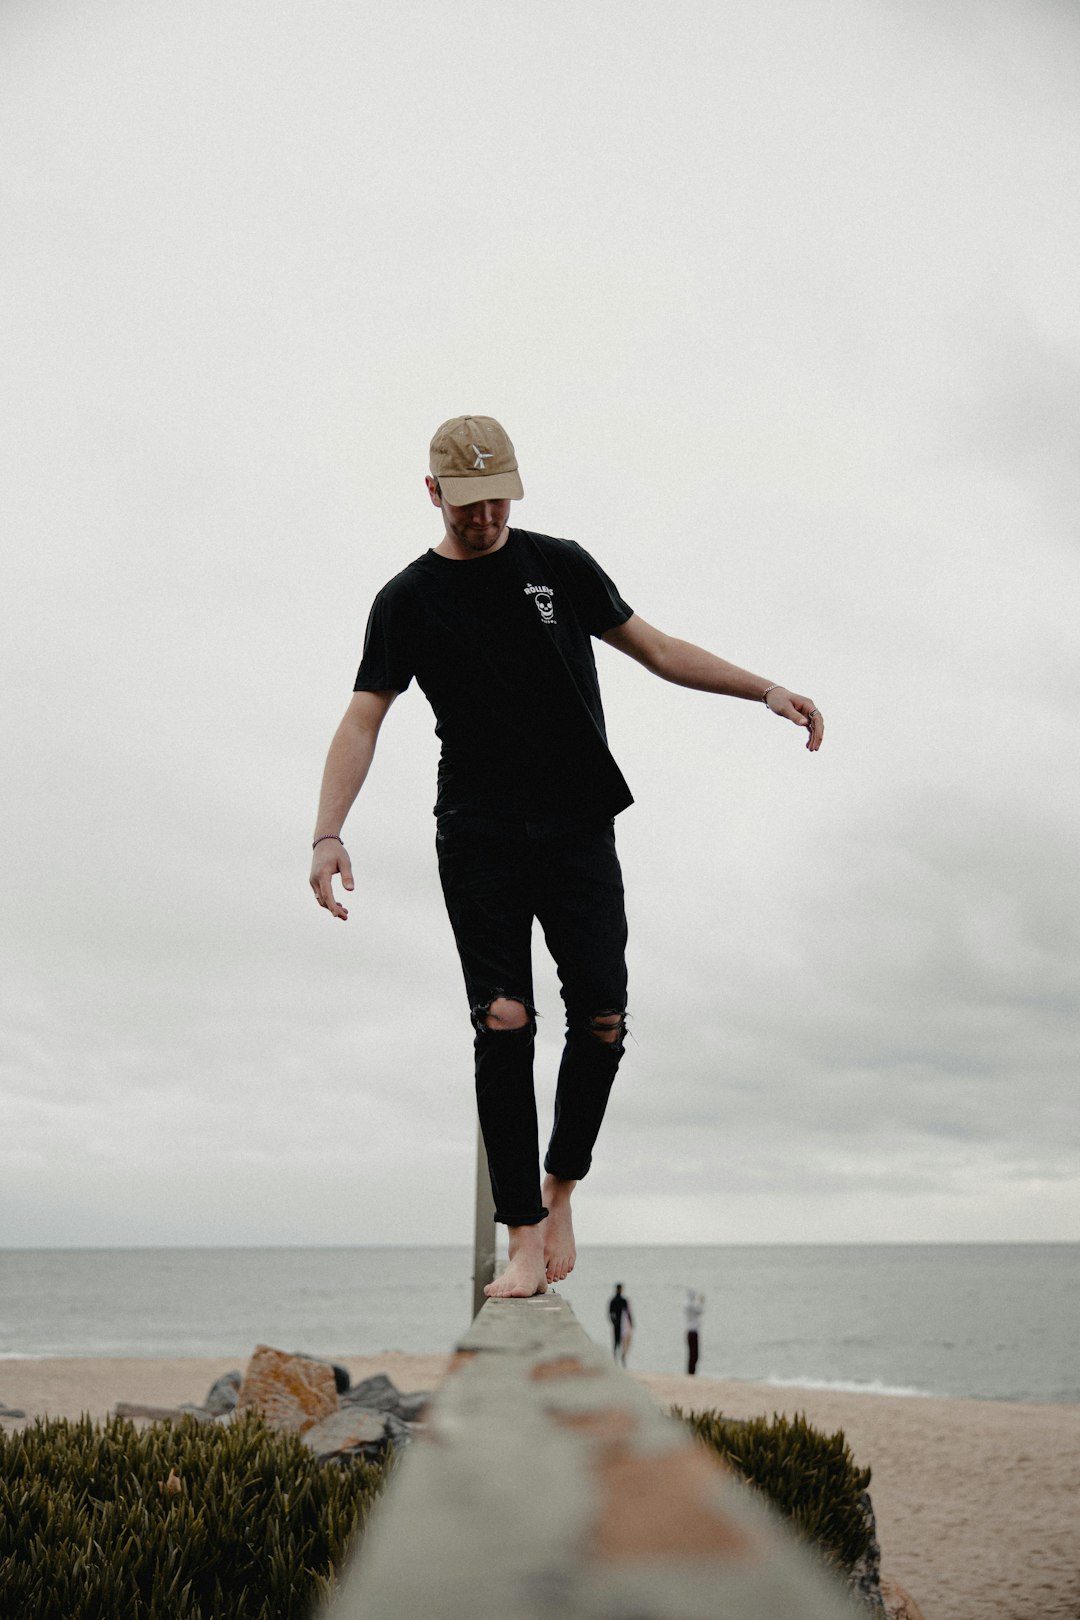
(496,625)
(621,1323)
(694,1310)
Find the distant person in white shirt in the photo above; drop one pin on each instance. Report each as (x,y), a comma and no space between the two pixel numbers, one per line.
(695,1305)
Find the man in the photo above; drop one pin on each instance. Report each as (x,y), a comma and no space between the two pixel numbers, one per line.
(694,1308)
(622,1323)
(496,624)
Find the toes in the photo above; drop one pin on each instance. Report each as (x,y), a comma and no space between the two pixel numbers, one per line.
(559,1269)
(507,1287)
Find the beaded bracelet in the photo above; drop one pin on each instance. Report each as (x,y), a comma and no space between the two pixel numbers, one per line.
(322,836)
(768,689)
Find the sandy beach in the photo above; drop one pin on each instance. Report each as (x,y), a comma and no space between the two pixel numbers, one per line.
(977,1502)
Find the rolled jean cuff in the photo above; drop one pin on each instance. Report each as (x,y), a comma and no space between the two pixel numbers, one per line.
(531,1219)
(562,1172)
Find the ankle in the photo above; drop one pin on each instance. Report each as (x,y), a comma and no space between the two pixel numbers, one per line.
(525,1239)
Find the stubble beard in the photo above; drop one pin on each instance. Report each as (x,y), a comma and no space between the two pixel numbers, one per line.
(480,543)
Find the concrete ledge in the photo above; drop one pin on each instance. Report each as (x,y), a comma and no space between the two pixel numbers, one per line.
(548,1485)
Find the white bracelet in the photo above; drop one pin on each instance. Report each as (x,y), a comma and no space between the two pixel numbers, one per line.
(765,694)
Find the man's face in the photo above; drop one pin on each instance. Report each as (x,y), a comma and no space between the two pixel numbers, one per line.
(477,526)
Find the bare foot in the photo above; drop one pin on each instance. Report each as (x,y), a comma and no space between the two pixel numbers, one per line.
(525,1275)
(560,1252)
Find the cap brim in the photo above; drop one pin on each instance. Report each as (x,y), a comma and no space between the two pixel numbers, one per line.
(492,487)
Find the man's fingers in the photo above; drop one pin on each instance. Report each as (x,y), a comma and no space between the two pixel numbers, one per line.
(345,868)
(322,887)
(329,901)
(805,712)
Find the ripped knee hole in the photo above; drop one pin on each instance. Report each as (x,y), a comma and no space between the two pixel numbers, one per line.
(609,1027)
(503,1012)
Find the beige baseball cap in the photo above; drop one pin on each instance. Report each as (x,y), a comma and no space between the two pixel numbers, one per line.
(473,459)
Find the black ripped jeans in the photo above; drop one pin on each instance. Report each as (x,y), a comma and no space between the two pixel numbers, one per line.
(496,878)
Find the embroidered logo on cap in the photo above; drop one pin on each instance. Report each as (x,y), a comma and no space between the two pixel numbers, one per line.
(482,456)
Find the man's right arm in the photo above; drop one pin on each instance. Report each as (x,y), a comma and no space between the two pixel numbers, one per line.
(347,765)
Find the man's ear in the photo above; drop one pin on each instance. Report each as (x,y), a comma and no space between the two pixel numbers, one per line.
(434,491)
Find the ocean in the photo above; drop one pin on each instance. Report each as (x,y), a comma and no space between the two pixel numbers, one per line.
(987,1321)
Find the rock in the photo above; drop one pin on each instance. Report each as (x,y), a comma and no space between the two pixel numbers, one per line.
(161,1414)
(300,1394)
(291,1393)
(398,1432)
(223,1392)
(378,1392)
(866,1575)
(413,1405)
(153,1413)
(341,1374)
(11,1411)
(899,1604)
(347,1432)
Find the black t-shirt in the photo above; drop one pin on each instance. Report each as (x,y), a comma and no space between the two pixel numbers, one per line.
(500,645)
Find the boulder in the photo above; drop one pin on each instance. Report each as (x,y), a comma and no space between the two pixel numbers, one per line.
(161,1414)
(413,1405)
(381,1394)
(223,1392)
(378,1393)
(899,1603)
(347,1433)
(291,1393)
(341,1374)
(866,1576)
(397,1429)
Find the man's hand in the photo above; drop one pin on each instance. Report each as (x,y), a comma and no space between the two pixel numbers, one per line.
(347,765)
(329,858)
(800,710)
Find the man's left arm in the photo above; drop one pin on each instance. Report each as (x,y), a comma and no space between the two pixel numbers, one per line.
(687,665)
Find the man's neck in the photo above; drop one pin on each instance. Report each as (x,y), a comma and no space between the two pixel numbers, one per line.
(451,547)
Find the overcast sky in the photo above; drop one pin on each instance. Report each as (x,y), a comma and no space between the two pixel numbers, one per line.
(779,305)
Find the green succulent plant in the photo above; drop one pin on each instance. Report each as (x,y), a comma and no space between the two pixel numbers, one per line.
(810,1477)
(178,1521)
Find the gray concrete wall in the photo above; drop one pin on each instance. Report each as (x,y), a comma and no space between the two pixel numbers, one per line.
(549,1485)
